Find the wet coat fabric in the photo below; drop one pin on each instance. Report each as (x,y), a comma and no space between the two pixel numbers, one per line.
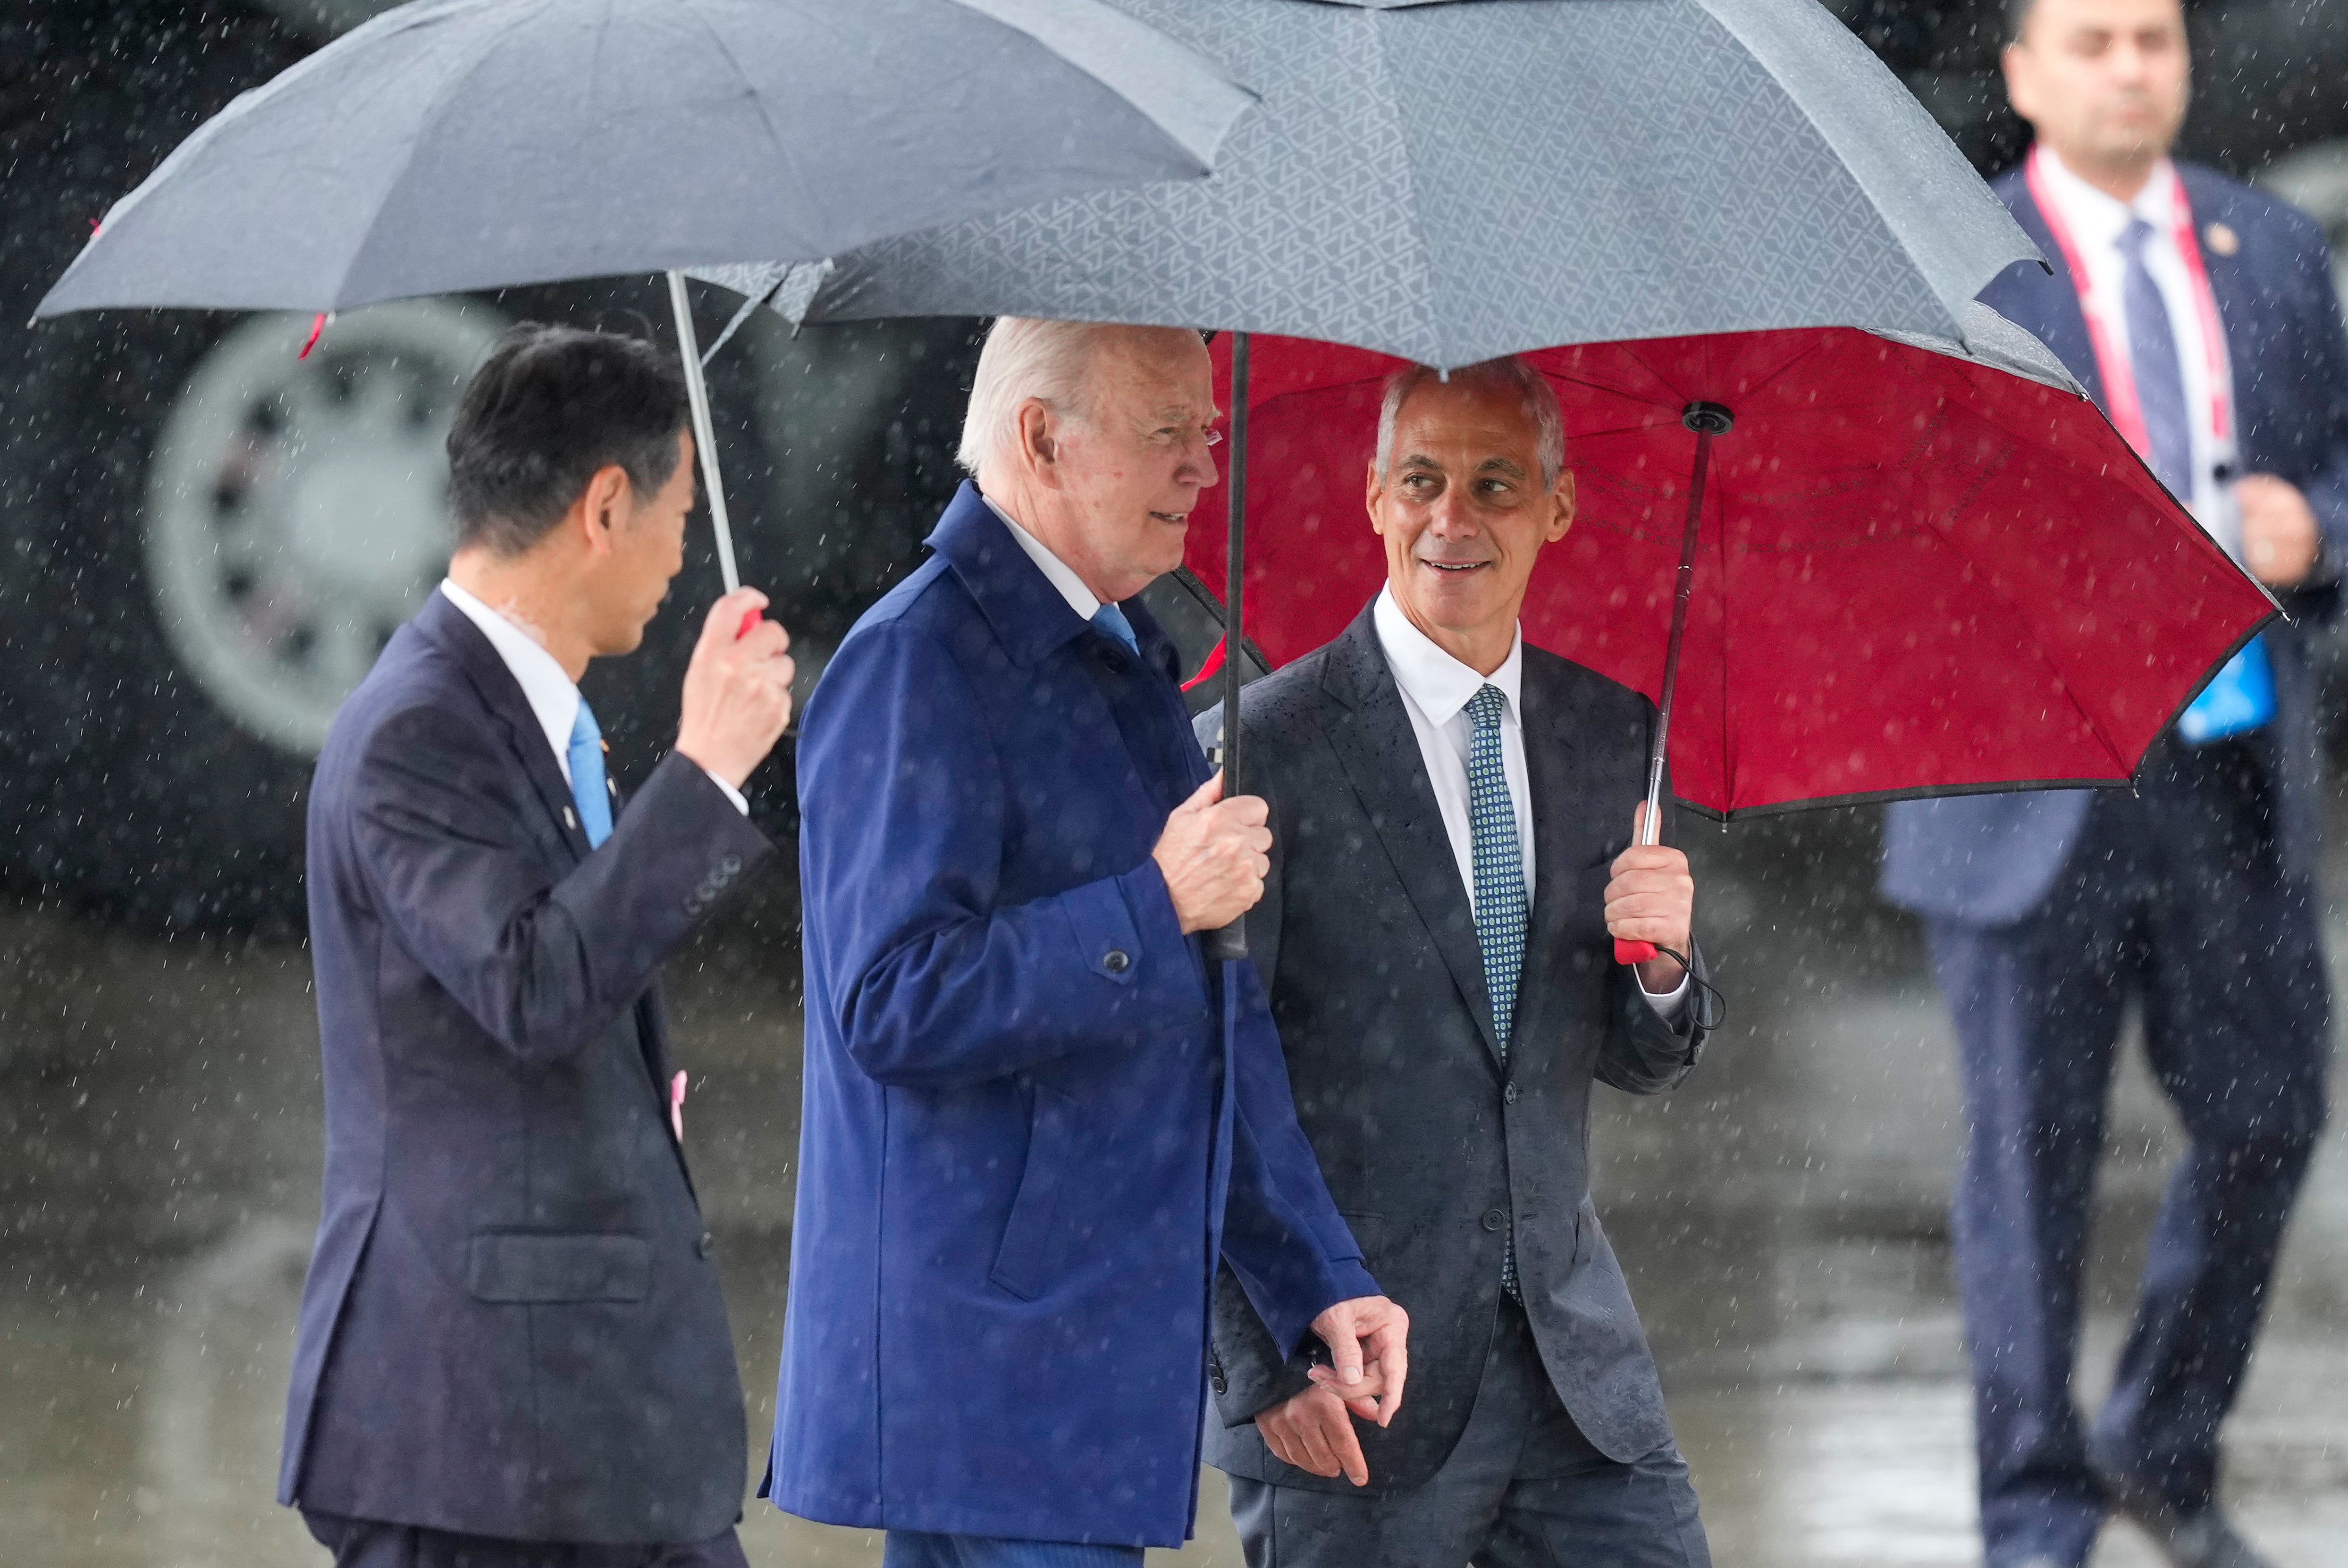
(512,1325)
(1026,1130)
(1993,860)
(1433,1146)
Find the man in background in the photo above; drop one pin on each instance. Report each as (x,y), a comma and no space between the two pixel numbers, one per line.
(512,1351)
(2202,316)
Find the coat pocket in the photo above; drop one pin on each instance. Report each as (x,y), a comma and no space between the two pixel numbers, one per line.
(1030,1253)
(540,1266)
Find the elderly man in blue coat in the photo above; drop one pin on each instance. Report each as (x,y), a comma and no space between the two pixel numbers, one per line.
(1034,1113)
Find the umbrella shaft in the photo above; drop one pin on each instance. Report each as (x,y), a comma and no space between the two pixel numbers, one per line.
(1653,831)
(704,435)
(1230,941)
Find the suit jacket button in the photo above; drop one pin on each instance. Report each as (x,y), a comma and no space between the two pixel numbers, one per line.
(1117,961)
(707,1244)
(1510,1094)
(1494,1219)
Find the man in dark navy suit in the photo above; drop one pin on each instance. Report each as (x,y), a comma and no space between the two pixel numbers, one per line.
(2201,313)
(512,1349)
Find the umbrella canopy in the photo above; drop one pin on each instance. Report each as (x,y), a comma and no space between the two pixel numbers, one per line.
(1920,567)
(477,144)
(1450,181)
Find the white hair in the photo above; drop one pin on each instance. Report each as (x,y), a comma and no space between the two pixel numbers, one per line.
(1025,357)
(1505,374)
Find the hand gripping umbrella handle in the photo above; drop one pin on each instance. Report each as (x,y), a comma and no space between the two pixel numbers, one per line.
(1707,420)
(1230,942)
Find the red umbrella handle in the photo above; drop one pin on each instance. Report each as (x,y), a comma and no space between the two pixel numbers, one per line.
(1632,952)
(749,620)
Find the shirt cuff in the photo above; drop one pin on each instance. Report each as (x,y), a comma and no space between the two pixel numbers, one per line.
(744,806)
(1666,1004)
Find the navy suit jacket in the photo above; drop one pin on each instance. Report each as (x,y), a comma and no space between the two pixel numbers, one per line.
(511,1325)
(1029,1128)
(1992,859)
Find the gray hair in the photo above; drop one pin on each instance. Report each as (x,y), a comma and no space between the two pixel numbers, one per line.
(1505,374)
(1025,357)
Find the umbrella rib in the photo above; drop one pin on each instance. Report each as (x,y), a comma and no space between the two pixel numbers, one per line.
(1372,21)
(447,89)
(774,132)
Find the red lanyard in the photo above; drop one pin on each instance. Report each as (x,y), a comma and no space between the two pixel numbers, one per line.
(2118,377)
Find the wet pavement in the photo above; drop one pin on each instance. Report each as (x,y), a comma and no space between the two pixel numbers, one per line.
(1780,1219)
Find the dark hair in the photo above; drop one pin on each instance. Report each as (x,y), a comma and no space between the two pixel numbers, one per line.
(548,408)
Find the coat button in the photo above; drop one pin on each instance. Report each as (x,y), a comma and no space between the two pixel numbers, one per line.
(1510,1094)
(1494,1219)
(707,1244)
(1222,1384)
(1117,961)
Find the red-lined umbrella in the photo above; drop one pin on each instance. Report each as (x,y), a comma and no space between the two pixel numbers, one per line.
(1847,566)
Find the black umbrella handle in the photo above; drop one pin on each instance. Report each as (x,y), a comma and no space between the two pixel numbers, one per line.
(1230,941)
(1707,420)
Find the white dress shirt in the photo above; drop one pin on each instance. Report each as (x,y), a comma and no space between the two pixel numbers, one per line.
(1082,599)
(2096,220)
(552,697)
(1435,689)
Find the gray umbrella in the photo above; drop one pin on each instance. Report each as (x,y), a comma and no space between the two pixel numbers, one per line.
(1451,182)
(481,144)
(1446,182)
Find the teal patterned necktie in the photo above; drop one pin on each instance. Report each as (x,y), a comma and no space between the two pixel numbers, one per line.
(1499,867)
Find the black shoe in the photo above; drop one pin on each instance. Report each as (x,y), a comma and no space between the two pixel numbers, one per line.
(2203,1539)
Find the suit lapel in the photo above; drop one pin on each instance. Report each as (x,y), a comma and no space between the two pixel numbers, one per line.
(502,695)
(1379,751)
(1550,779)
(2231,290)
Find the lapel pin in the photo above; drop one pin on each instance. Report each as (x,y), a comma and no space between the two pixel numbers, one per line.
(2223,238)
(569,817)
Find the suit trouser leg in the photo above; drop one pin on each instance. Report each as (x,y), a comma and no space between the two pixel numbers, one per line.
(2037,1013)
(1521,1489)
(2238,1030)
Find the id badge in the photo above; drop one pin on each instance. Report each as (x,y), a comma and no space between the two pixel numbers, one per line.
(2239,698)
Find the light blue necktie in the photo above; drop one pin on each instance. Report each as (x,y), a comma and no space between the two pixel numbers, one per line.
(1499,867)
(2240,696)
(587,786)
(1108,617)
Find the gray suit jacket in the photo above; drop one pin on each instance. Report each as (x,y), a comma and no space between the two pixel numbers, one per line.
(1367,942)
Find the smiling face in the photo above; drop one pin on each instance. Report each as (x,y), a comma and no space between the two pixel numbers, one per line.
(1464,513)
(1107,479)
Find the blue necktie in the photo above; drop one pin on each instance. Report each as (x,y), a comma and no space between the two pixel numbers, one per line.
(1499,867)
(1109,619)
(587,785)
(2152,355)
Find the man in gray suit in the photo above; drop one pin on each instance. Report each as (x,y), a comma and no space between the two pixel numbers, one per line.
(1453,846)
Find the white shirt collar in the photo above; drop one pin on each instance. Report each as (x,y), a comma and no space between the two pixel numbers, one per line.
(1437,683)
(2097,216)
(550,692)
(1081,599)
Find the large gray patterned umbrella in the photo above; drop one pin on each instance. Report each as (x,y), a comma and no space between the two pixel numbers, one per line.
(1446,182)
(1450,181)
